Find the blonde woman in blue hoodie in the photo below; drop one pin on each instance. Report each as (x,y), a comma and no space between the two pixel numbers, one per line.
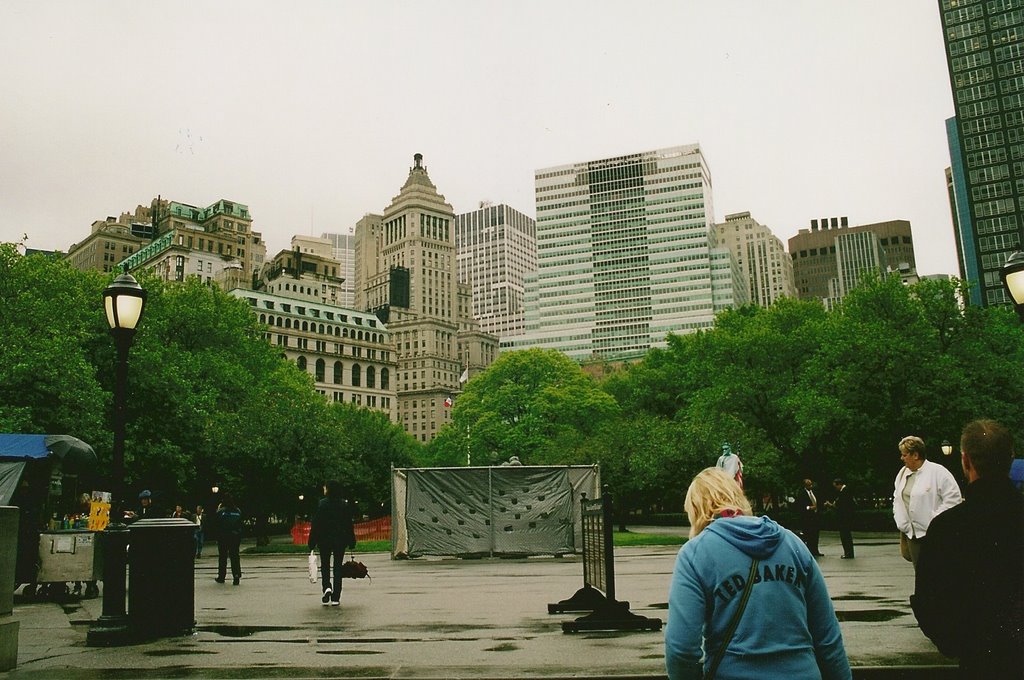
(783,626)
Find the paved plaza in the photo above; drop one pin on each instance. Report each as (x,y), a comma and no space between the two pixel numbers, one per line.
(434,618)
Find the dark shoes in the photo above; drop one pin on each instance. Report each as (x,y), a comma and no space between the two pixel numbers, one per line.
(219,579)
(817,554)
(326,599)
(846,557)
(236,581)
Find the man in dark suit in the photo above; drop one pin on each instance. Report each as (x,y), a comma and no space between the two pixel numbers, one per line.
(808,504)
(845,508)
(969,597)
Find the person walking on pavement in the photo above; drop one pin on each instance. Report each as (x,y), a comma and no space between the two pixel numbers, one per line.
(229,538)
(922,490)
(332,532)
(969,591)
(810,521)
(845,508)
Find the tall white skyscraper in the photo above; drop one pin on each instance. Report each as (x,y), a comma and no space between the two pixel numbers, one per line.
(761,256)
(626,255)
(497,248)
(343,249)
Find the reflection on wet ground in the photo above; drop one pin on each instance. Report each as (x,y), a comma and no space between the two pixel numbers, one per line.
(871,615)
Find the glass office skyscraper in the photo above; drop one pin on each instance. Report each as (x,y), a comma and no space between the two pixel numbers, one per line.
(626,255)
(985,54)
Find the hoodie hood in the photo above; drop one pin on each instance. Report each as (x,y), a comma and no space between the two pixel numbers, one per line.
(757,537)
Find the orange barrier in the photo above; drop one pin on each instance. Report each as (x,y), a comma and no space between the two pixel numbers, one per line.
(372,530)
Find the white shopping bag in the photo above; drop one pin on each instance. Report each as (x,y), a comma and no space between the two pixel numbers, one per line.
(314,567)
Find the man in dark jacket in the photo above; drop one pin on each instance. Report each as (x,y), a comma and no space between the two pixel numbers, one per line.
(969,597)
(229,538)
(808,504)
(845,508)
(332,532)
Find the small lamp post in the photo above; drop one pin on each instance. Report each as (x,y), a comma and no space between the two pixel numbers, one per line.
(946,447)
(123,301)
(1012,274)
(214,489)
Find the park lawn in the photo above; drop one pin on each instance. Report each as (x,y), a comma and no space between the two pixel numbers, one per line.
(620,538)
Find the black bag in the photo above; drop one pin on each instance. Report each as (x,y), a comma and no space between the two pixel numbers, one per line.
(353,569)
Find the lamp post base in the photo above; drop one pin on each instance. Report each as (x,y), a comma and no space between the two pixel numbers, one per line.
(111,628)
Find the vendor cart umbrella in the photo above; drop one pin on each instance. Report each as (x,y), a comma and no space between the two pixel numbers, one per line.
(71,451)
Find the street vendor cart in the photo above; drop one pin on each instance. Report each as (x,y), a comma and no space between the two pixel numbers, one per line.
(39,474)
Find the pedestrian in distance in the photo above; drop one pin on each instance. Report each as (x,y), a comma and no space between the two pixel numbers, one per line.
(845,508)
(969,590)
(147,508)
(229,538)
(332,532)
(922,490)
(747,599)
(810,521)
(200,536)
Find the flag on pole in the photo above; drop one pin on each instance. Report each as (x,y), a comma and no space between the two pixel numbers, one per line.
(448,402)
(465,376)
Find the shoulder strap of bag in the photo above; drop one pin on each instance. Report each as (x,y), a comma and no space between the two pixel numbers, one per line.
(735,622)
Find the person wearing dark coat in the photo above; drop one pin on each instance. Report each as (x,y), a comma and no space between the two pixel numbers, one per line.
(332,532)
(969,593)
(229,539)
(810,523)
(845,508)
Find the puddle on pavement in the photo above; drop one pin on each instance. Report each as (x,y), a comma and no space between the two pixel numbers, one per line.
(174,652)
(857,596)
(870,616)
(504,647)
(348,651)
(241,631)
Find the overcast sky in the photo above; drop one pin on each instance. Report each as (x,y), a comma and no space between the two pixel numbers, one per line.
(310,112)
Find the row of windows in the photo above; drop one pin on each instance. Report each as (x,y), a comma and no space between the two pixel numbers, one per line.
(356,373)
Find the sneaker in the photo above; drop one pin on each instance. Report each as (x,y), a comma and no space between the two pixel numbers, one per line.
(326,599)
(335,603)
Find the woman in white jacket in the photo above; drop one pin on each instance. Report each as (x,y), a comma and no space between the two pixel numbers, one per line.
(923,489)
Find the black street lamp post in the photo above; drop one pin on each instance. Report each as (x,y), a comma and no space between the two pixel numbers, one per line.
(1012,274)
(123,301)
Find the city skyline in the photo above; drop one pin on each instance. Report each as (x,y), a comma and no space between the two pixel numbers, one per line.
(802,110)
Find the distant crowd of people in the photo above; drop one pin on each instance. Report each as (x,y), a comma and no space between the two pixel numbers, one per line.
(748,600)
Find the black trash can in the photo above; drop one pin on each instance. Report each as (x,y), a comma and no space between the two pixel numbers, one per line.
(161,580)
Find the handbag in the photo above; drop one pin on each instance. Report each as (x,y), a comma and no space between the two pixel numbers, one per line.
(905,548)
(720,654)
(353,569)
(314,566)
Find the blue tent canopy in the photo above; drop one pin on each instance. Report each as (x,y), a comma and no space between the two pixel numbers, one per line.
(23,446)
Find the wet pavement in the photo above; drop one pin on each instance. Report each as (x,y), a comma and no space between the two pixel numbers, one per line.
(432,618)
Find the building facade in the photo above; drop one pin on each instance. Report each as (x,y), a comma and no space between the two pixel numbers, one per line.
(343,249)
(347,353)
(112,240)
(215,243)
(406,275)
(761,257)
(625,256)
(496,249)
(830,258)
(306,271)
(984,42)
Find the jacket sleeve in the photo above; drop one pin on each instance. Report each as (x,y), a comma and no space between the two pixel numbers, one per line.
(948,491)
(824,627)
(684,633)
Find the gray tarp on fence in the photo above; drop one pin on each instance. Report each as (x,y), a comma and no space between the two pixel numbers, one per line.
(473,511)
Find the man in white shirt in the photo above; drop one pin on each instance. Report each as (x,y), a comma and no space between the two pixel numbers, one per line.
(922,490)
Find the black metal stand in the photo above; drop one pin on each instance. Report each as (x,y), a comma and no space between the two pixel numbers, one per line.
(607,613)
(111,629)
(611,616)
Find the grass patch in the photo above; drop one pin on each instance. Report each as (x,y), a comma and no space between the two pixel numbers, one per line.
(624,538)
(291,549)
